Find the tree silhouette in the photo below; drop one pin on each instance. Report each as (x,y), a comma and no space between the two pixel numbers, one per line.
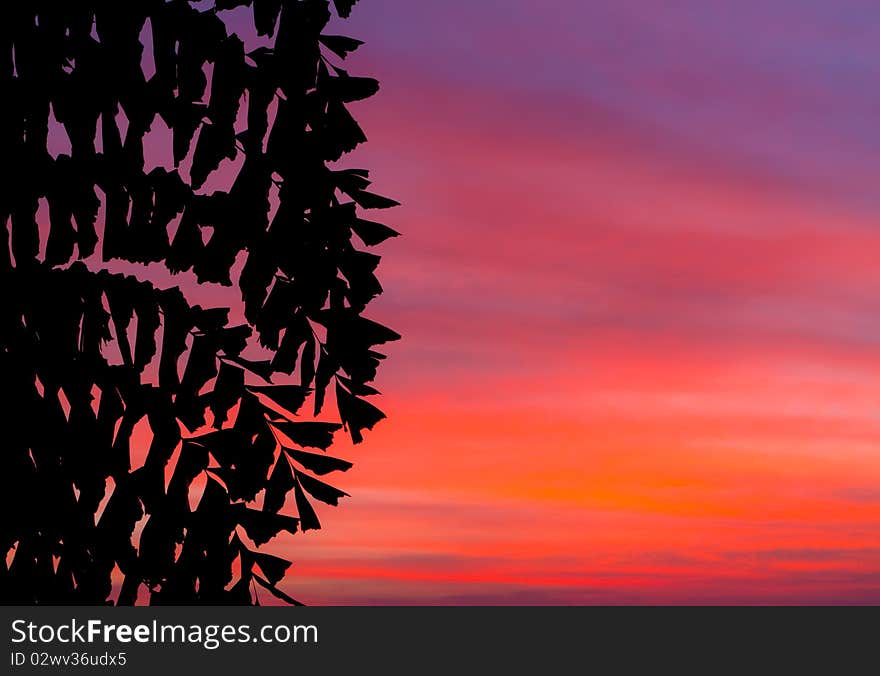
(92,358)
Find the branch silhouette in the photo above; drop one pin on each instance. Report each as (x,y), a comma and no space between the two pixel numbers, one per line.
(91,358)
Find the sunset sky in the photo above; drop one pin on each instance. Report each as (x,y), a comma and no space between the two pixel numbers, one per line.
(639,292)
(640,299)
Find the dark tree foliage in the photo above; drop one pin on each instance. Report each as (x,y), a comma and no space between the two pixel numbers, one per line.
(89,355)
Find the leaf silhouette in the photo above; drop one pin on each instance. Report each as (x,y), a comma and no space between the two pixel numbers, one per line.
(262,526)
(147,309)
(266,15)
(115,374)
(311,434)
(200,368)
(187,244)
(261,368)
(288,397)
(273,567)
(327,367)
(227,390)
(192,462)
(359,389)
(370,200)
(343,7)
(296,334)
(277,593)
(318,463)
(348,89)
(357,414)
(307,363)
(176,327)
(225,445)
(372,233)
(340,45)
(280,482)
(308,520)
(318,489)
